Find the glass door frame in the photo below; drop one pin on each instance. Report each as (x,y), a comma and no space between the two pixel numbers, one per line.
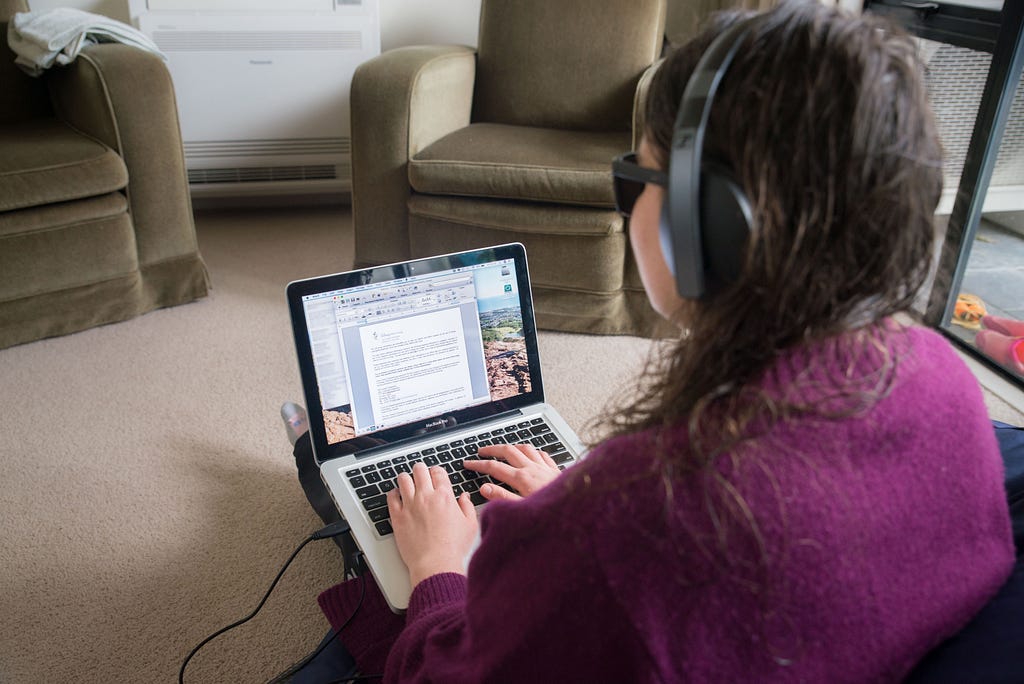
(1001,34)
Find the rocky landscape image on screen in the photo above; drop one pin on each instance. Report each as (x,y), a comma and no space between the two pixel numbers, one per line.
(508,372)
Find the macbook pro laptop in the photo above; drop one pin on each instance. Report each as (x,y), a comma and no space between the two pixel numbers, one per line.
(426,360)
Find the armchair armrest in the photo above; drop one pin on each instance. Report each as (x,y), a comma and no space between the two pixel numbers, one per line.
(640,101)
(123,97)
(402,101)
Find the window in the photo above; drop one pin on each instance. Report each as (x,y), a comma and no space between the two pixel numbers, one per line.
(974,54)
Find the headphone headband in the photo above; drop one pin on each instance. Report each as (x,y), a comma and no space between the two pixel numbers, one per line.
(684,236)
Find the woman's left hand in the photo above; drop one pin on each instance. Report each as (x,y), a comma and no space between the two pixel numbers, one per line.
(434,531)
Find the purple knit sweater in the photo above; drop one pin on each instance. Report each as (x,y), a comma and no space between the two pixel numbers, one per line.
(877,536)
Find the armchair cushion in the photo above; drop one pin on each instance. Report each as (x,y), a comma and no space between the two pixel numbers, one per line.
(520,162)
(569,64)
(47,161)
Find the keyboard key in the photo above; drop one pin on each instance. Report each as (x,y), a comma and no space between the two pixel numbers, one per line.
(378,514)
(456,443)
(472,449)
(470,440)
(369,468)
(403,468)
(388,473)
(446,456)
(383,464)
(540,429)
(524,424)
(401,459)
(427,452)
(368,491)
(470,485)
(350,473)
(477,498)
(484,435)
(454,477)
(357,481)
(550,437)
(562,458)
(373,477)
(375,502)
(387,485)
(384,528)
(536,421)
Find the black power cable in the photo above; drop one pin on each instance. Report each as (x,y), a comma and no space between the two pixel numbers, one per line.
(361,570)
(332,530)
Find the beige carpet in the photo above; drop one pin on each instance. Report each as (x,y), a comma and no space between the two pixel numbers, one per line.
(147,490)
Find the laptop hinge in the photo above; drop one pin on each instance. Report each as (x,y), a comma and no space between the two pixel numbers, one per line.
(372,451)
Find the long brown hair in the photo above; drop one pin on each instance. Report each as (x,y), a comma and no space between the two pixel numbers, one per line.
(823,120)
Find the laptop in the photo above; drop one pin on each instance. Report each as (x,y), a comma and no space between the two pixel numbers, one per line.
(426,360)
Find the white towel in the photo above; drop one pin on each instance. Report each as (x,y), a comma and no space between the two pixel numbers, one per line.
(42,39)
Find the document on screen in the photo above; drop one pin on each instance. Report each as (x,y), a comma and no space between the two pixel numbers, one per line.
(417,366)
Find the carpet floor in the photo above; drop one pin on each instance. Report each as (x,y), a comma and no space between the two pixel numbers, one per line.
(147,489)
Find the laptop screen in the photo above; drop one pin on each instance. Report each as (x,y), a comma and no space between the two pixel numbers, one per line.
(399,351)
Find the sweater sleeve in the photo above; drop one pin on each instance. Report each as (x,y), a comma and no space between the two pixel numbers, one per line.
(534,606)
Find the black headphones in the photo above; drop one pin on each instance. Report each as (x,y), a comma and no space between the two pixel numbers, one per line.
(706,218)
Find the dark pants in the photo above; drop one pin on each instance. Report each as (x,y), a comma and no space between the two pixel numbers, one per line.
(312,485)
(334,662)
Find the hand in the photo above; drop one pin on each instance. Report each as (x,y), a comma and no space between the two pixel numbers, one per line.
(525,468)
(434,531)
(1003,341)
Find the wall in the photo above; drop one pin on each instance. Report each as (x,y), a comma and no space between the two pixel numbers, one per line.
(403,22)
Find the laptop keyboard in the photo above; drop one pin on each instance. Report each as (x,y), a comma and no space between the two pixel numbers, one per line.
(372,482)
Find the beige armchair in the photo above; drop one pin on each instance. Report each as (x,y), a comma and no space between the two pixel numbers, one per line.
(455,148)
(95,218)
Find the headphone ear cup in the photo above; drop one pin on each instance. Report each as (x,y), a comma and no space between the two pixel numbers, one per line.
(726,224)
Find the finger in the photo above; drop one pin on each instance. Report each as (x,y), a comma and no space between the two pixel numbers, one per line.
(531,452)
(497,469)
(406,487)
(466,504)
(439,478)
(395,501)
(493,492)
(506,452)
(547,459)
(421,476)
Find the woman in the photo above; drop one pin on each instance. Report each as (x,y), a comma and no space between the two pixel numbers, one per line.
(805,489)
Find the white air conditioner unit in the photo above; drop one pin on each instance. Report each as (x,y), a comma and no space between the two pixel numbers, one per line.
(263,88)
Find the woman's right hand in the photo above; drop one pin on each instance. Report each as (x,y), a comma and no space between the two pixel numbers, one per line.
(521,466)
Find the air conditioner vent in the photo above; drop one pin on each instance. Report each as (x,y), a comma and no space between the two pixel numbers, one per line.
(264,148)
(232,41)
(955,78)
(262,174)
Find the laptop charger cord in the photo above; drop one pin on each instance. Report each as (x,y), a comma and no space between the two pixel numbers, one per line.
(327,532)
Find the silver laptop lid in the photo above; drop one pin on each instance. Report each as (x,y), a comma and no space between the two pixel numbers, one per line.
(392,353)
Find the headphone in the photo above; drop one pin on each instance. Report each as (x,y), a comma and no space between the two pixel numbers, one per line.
(706,218)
